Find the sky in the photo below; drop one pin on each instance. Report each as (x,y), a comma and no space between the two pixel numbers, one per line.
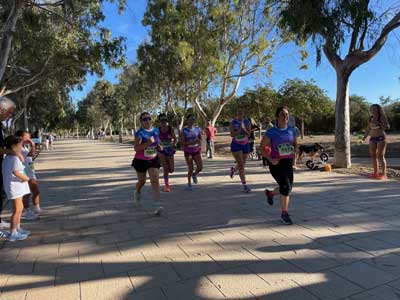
(378,77)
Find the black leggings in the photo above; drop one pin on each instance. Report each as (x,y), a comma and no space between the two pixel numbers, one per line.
(283,175)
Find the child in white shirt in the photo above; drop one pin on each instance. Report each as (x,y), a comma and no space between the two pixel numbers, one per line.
(15,184)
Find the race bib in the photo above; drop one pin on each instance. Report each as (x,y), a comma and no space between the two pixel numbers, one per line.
(374,126)
(285,149)
(241,138)
(166,144)
(150,152)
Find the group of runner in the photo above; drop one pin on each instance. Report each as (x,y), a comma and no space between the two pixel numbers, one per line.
(155,147)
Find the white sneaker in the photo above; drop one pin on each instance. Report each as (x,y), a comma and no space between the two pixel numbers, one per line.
(4,225)
(137,198)
(3,234)
(29,214)
(16,236)
(23,231)
(38,211)
(158,211)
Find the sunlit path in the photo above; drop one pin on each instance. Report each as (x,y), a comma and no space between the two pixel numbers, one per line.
(212,243)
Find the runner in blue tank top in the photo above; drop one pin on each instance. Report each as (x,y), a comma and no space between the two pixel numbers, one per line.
(191,140)
(279,146)
(240,129)
(147,143)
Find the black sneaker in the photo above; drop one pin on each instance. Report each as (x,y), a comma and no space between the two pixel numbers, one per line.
(232,173)
(270,196)
(285,218)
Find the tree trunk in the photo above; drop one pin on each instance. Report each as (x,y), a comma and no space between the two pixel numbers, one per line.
(135,122)
(342,121)
(8,33)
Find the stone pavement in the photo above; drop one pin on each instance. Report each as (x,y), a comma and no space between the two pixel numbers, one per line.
(212,243)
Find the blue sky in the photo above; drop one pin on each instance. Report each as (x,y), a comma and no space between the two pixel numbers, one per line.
(378,77)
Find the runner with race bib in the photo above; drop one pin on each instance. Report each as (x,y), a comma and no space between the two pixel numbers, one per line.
(191,141)
(240,129)
(147,142)
(279,147)
(168,143)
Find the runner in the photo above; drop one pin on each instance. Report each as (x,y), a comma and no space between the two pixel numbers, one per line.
(191,141)
(377,141)
(278,146)
(240,129)
(146,160)
(168,142)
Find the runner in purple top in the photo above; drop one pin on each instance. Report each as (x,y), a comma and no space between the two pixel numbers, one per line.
(191,141)
(168,142)
(279,146)
(147,143)
(240,129)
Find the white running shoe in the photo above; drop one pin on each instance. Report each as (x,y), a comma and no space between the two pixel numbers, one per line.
(29,214)
(158,211)
(38,210)
(137,198)
(23,231)
(4,225)
(16,236)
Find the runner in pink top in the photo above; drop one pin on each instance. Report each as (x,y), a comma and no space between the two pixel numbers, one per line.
(168,142)
(191,141)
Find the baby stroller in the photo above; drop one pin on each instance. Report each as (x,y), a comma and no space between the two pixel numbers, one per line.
(316,155)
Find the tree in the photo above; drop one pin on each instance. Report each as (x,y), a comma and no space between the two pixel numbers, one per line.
(208,47)
(74,15)
(307,99)
(50,51)
(333,25)
(359,113)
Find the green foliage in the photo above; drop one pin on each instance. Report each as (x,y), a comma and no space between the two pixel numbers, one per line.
(359,113)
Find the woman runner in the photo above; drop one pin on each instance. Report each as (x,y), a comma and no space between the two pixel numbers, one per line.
(191,141)
(240,129)
(279,147)
(147,142)
(168,143)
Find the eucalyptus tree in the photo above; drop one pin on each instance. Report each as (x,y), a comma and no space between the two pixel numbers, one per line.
(350,33)
(207,47)
(76,16)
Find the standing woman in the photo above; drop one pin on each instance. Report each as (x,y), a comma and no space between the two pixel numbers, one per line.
(147,142)
(191,141)
(279,147)
(240,129)
(377,141)
(168,143)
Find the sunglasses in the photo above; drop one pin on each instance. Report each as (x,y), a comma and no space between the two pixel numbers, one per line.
(163,120)
(146,119)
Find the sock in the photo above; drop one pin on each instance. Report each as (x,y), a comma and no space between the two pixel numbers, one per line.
(284,212)
(166,180)
(244,182)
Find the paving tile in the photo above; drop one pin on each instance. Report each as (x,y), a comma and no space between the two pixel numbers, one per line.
(379,293)
(364,274)
(78,272)
(327,285)
(239,283)
(154,276)
(62,292)
(198,288)
(107,288)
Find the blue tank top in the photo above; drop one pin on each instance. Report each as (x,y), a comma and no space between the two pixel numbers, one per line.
(150,152)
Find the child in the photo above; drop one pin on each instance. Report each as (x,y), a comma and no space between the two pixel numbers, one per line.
(28,151)
(15,183)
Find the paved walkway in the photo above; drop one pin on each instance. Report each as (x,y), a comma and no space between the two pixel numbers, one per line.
(212,243)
